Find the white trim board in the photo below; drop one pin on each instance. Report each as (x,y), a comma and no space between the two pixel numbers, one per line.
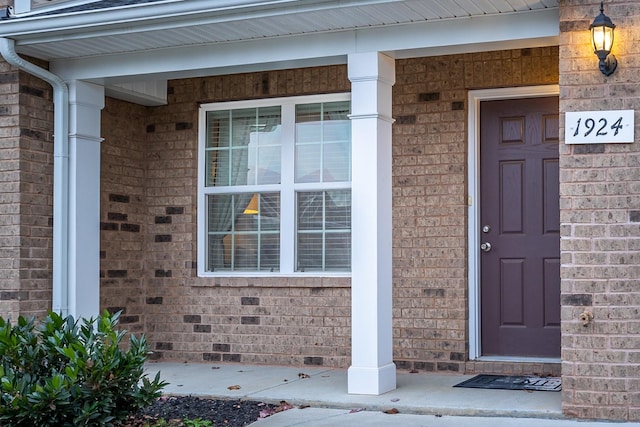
(473,198)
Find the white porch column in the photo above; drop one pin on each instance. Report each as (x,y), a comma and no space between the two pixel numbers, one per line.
(86,100)
(372,370)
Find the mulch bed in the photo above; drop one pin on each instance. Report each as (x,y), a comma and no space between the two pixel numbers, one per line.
(171,411)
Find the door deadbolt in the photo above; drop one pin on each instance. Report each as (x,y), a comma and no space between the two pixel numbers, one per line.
(485,246)
(486,228)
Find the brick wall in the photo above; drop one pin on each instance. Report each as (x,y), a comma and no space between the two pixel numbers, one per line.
(36,194)
(26,185)
(148,222)
(123,212)
(288,320)
(430,195)
(256,320)
(600,215)
(9,189)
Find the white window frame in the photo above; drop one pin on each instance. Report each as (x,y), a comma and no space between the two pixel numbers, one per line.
(287,189)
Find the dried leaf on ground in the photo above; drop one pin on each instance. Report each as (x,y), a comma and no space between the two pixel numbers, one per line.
(266,413)
(353,411)
(284,406)
(303,375)
(391,411)
(234,387)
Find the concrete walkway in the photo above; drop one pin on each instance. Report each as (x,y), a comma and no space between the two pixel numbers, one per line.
(421,399)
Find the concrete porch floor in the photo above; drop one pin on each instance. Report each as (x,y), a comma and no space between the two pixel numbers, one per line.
(422,399)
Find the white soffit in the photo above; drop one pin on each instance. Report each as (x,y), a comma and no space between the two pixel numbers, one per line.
(149,93)
(165,24)
(134,49)
(482,33)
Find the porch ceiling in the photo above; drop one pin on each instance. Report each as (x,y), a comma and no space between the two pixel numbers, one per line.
(133,46)
(102,29)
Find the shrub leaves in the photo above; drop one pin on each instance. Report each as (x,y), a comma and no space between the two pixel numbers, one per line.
(63,373)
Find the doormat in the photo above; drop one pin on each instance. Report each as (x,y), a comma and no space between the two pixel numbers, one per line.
(513,382)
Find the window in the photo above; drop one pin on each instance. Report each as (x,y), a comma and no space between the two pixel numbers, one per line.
(275,186)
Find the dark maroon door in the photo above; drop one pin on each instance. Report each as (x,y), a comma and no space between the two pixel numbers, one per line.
(519,228)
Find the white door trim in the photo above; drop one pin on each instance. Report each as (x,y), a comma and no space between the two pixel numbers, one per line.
(473,199)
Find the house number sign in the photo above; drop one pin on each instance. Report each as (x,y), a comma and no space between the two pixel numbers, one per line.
(599,127)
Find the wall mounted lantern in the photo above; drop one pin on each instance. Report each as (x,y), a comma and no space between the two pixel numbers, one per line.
(602,38)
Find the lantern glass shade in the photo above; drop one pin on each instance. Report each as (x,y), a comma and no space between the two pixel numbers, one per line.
(602,38)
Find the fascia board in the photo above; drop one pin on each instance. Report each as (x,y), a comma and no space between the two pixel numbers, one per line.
(202,59)
(24,8)
(141,14)
(167,14)
(449,33)
(409,40)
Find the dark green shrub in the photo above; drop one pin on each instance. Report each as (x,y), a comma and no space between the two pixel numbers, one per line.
(62,373)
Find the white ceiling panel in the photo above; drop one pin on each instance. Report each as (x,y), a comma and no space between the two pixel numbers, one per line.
(518,4)
(383,14)
(502,6)
(469,7)
(211,28)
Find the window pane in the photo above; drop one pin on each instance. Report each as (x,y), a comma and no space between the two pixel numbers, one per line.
(338,210)
(337,158)
(310,214)
(324,231)
(310,252)
(323,142)
(243,232)
(338,251)
(308,124)
(307,163)
(218,129)
(243,147)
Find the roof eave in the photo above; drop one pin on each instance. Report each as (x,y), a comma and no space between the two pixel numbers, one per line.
(169,14)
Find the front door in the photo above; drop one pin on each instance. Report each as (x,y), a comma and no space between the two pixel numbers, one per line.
(520,228)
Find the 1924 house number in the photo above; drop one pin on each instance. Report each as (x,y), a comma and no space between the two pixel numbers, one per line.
(599,127)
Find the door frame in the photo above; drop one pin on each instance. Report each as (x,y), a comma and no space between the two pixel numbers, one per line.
(473,203)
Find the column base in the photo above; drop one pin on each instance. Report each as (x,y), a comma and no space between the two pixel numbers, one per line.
(372,381)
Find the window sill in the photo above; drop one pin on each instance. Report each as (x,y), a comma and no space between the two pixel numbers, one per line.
(311,279)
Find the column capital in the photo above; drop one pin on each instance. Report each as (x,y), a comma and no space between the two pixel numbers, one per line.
(371,66)
(89,94)
(86,100)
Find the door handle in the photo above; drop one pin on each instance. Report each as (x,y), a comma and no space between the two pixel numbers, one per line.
(485,246)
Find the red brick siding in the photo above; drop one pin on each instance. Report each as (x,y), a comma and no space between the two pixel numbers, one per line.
(296,321)
(268,320)
(600,215)
(9,187)
(430,199)
(26,184)
(123,221)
